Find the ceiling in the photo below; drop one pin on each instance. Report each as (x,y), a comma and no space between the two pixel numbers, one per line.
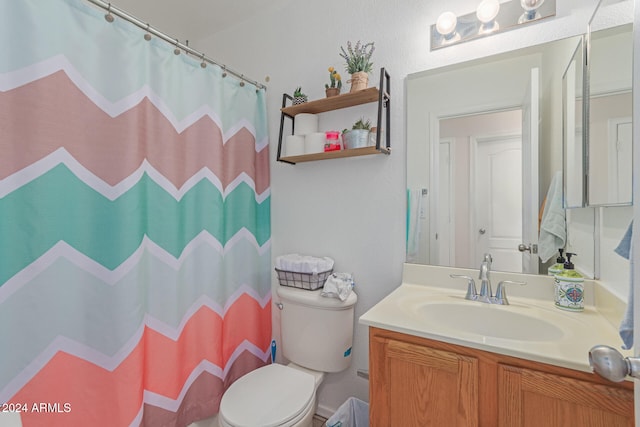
(193,19)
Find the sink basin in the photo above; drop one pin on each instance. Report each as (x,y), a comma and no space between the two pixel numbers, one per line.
(428,305)
(503,322)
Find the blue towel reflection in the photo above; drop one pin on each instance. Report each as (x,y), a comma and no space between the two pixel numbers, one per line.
(625,250)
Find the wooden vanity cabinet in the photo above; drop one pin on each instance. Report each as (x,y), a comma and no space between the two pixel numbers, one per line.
(420,382)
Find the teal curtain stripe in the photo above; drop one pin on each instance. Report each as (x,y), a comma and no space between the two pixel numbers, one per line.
(66,300)
(59,206)
(116,61)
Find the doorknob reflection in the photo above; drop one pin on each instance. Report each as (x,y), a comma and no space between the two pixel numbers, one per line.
(533,249)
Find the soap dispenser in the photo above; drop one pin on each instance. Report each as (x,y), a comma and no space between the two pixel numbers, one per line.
(558,266)
(569,287)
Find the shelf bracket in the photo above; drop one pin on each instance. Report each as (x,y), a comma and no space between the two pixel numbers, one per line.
(282,116)
(384,104)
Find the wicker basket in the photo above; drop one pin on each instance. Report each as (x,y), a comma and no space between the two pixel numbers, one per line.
(307,281)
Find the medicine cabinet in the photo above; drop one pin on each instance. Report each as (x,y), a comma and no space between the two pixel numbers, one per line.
(597,112)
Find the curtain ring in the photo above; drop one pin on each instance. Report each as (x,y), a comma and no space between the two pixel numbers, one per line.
(147,36)
(109,17)
(203,64)
(176,50)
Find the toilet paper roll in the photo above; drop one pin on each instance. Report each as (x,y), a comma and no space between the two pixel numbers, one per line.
(314,142)
(305,124)
(294,145)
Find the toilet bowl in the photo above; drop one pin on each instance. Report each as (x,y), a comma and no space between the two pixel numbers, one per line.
(317,334)
(272,396)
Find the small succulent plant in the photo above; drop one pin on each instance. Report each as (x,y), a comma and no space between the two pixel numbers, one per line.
(299,97)
(334,79)
(361,124)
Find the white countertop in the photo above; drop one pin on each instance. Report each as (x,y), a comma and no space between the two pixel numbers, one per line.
(403,311)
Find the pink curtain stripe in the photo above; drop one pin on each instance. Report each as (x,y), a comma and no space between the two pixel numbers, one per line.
(109,149)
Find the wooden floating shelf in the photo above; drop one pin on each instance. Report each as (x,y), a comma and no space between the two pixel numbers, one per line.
(345,100)
(351,152)
(381,96)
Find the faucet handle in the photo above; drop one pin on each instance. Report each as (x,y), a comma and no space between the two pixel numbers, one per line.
(501,294)
(472,293)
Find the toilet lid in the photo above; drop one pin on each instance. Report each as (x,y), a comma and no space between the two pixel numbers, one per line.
(269,396)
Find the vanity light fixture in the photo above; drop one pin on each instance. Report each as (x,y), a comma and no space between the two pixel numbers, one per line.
(491,17)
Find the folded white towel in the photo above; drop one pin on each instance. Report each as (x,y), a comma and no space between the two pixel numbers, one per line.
(304,263)
(553,228)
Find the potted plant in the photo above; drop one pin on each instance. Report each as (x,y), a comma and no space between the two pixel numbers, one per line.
(358,136)
(299,97)
(358,63)
(335,83)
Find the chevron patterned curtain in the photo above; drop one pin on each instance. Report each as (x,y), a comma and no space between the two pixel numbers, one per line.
(135,278)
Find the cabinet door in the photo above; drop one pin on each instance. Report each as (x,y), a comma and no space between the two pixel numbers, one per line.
(414,385)
(529,398)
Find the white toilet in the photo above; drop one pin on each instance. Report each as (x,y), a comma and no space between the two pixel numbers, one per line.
(317,334)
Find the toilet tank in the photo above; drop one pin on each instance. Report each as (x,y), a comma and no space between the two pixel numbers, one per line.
(316,331)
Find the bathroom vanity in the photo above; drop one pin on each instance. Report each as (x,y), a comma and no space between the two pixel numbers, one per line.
(421,382)
(437,359)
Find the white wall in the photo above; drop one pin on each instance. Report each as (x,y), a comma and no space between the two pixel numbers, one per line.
(354,209)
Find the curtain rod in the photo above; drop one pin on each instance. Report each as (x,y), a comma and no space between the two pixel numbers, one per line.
(148,28)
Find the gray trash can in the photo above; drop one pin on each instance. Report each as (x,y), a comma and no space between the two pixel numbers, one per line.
(352,413)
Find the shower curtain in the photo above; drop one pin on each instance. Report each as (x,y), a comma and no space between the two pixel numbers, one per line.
(135,265)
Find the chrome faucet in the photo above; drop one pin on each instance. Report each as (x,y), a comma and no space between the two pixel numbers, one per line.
(501,295)
(486,293)
(472,293)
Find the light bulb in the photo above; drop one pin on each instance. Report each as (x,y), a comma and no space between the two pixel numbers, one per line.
(531,4)
(488,10)
(530,8)
(446,24)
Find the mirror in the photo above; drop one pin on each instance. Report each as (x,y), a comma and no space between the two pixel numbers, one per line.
(455,116)
(443,226)
(572,128)
(610,110)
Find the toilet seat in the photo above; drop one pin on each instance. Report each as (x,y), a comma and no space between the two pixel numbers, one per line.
(274,395)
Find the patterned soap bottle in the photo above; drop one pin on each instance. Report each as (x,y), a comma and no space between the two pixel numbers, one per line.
(569,287)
